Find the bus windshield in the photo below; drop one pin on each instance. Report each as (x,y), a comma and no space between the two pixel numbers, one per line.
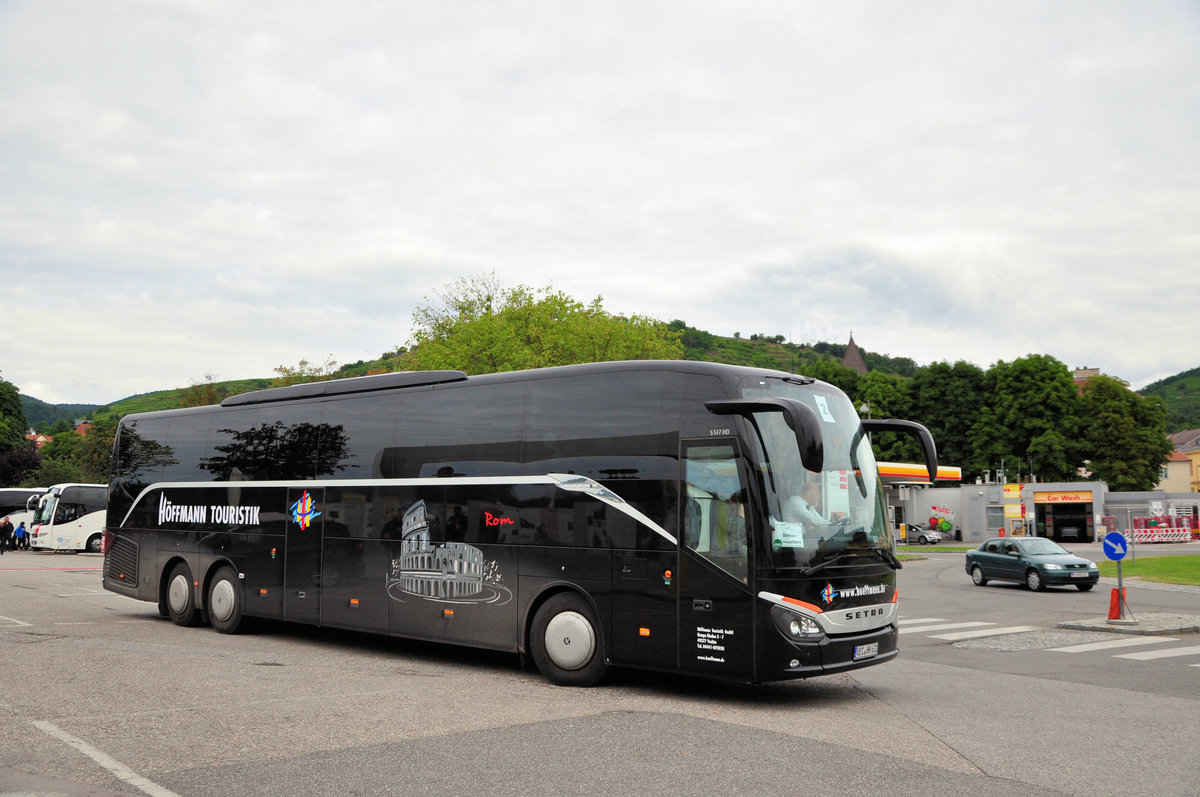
(814,518)
(70,503)
(45,508)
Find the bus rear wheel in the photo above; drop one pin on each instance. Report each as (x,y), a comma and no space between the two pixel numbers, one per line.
(225,601)
(566,642)
(94,543)
(181,602)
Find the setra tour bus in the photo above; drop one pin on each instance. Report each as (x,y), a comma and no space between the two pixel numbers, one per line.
(69,517)
(633,514)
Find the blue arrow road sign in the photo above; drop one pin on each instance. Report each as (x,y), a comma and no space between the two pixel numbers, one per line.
(1115,546)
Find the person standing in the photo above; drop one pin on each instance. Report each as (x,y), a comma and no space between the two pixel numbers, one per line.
(6,530)
(22,538)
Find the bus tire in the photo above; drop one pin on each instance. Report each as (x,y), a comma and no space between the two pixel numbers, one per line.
(566,642)
(94,543)
(225,601)
(181,600)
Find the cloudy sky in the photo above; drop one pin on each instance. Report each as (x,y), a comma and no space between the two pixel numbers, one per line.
(208,187)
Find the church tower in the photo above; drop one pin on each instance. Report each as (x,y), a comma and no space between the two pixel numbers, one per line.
(853,358)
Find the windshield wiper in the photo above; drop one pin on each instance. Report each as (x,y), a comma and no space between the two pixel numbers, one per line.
(887,556)
(884,554)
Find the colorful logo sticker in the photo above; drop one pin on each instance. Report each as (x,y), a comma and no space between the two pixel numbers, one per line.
(829,593)
(304,511)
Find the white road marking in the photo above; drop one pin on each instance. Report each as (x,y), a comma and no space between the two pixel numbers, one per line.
(1126,642)
(1146,655)
(119,770)
(942,627)
(1014,629)
(13,621)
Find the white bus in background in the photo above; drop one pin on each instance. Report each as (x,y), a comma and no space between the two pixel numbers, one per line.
(17,504)
(70,517)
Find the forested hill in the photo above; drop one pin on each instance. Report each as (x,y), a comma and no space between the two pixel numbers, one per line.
(38,413)
(1182,396)
(822,360)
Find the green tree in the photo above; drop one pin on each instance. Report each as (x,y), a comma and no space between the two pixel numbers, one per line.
(13,425)
(54,471)
(63,446)
(887,396)
(16,464)
(1031,415)
(946,399)
(200,394)
(304,372)
(833,372)
(479,327)
(696,343)
(1125,435)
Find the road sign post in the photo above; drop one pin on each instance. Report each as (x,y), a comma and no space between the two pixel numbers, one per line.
(1115,548)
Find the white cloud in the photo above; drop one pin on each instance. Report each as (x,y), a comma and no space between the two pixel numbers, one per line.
(196,188)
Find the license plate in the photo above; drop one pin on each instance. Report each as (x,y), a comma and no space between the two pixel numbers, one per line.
(1079,574)
(866,651)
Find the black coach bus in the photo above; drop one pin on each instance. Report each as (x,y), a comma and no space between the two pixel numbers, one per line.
(639,514)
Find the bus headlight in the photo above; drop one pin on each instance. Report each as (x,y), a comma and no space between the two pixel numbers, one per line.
(795,626)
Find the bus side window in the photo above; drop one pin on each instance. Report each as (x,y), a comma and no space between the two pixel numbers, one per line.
(692,520)
(714,519)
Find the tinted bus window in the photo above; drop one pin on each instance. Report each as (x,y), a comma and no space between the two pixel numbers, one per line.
(187,437)
(621,432)
(456,432)
(353,434)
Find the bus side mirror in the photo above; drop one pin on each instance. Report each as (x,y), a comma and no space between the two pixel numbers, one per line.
(928,448)
(800,418)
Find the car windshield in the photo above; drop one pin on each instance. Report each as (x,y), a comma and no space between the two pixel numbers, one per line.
(816,518)
(1039,546)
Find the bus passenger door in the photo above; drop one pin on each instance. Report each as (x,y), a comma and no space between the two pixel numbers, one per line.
(715,604)
(302,566)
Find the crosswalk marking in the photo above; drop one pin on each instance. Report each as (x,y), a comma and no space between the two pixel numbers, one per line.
(1146,655)
(941,627)
(1125,642)
(945,630)
(1015,629)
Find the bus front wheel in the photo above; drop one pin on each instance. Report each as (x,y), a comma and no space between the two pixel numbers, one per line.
(225,602)
(566,641)
(181,603)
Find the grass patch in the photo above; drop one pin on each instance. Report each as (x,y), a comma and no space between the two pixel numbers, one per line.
(902,548)
(1168,569)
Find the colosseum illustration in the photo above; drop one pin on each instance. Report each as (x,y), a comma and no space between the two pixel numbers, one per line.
(447,570)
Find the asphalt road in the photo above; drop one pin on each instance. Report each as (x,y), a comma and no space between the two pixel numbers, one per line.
(103,697)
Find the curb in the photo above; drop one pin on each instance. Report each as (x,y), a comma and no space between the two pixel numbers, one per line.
(1148,624)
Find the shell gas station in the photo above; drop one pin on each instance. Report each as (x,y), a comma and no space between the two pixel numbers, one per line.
(1063,512)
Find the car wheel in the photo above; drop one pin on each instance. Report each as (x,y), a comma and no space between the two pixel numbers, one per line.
(978,577)
(181,602)
(566,642)
(1033,580)
(921,540)
(1084,587)
(225,602)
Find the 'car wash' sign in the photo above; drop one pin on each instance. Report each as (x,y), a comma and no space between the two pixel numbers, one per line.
(1077,497)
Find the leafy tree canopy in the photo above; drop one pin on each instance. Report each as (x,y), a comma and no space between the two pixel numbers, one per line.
(1124,434)
(947,398)
(479,327)
(12,417)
